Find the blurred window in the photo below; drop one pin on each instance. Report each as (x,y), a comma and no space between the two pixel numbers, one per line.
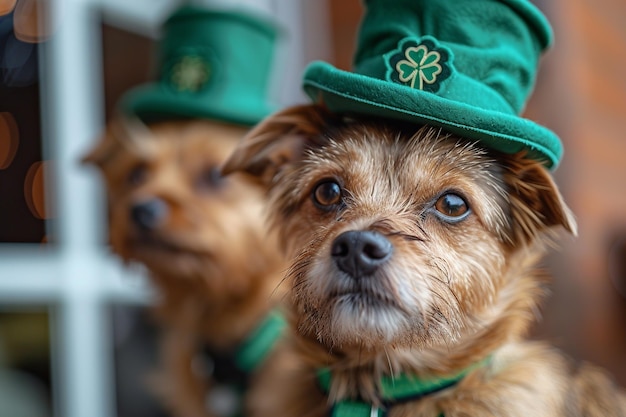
(72,316)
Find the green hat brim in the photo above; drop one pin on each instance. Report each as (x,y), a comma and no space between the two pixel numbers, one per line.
(156,102)
(352,93)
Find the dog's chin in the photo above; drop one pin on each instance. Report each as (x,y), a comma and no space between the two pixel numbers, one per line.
(366,320)
(347,312)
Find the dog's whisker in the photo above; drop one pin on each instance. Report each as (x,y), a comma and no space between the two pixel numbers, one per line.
(407,236)
(277,288)
(391,371)
(285,277)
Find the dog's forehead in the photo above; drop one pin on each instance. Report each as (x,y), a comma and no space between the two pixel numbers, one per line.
(194,143)
(209,149)
(397,161)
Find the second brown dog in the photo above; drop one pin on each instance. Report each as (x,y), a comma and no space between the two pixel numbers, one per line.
(203,240)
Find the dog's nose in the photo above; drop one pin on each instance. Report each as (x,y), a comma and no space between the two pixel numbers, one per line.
(148,214)
(359,253)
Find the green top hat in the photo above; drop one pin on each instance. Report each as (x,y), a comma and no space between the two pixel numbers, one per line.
(212,64)
(465,65)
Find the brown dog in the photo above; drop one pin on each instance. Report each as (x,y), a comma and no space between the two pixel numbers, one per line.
(202,239)
(413,276)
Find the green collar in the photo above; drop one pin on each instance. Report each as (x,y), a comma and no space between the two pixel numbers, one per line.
(393,390)
(234,368)
(253,351)
(231,371)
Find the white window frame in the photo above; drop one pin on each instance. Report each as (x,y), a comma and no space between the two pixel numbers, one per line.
(76,274)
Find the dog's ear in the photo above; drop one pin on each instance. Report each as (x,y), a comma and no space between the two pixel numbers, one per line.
(121,133)
(278,140)
(103,151)
(536,203)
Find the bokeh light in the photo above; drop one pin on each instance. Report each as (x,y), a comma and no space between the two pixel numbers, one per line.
(9,139)
(31,20)
(6,6)
(34,191)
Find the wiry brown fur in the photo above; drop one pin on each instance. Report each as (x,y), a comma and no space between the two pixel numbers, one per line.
(451,295)
(214,265)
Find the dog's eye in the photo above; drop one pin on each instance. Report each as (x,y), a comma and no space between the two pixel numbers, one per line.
(451,207)
(327,194)
(210,178)
(137,175)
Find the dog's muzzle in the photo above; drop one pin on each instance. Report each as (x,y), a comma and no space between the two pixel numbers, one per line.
(360,253)
(147,215)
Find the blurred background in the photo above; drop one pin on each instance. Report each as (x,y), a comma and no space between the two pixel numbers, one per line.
(75,337)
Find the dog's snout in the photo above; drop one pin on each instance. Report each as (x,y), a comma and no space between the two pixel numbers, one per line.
(359,253)
(148,214)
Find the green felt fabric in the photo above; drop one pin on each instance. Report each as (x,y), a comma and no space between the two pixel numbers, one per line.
(466,65)
(212,64)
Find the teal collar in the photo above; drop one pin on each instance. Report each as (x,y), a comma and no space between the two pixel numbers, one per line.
(253,351)
(231,371)
(393,390)
(234,368)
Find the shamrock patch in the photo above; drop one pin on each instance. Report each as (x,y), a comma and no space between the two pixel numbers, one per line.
(419,63)
(190,73)
(189,70)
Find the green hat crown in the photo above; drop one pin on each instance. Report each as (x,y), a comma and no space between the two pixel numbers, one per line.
(212,64)
(466,65)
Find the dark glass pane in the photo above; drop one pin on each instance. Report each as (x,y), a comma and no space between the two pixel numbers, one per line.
(25,362)
(135,353)
(22,167)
